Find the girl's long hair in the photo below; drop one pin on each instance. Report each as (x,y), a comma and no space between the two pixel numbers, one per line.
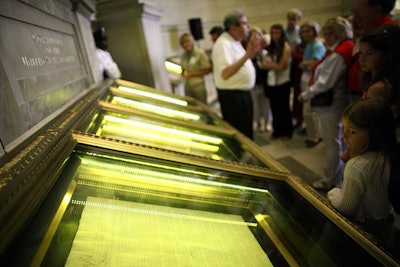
(385,38)
(277,48)
(376,117)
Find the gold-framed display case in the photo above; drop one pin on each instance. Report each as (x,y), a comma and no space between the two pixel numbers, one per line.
(73,198)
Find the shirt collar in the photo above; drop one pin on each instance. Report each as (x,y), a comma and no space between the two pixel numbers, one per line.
(332,47)
(385,20)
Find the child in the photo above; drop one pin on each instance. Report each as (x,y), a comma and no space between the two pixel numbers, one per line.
(369,133)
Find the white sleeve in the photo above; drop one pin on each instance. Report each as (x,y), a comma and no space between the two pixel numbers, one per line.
(335,196)
(352,190)
(109,65)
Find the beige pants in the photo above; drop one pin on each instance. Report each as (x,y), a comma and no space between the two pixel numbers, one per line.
(311,119)
(197,91)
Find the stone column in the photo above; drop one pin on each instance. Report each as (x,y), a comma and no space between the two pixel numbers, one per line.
(135,40)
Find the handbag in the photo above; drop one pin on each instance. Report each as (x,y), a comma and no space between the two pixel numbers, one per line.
(323,99)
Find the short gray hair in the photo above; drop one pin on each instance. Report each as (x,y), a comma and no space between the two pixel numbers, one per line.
(233,19)
(294,13)
(340,26)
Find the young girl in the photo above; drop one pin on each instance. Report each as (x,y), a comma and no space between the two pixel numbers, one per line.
(369,133)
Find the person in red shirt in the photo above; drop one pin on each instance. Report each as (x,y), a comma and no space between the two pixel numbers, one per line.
(367,15)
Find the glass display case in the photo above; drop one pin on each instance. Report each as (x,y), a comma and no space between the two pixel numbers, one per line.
(213,143)
(150,100)
(167,121)
(113,208)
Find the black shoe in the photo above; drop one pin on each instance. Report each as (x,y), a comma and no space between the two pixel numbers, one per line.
(311,144)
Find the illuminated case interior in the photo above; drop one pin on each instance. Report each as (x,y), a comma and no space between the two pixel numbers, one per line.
(147,99)
(169,122)
(217,145)
(113,208)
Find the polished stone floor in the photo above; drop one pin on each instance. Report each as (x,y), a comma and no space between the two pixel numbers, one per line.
(304,162)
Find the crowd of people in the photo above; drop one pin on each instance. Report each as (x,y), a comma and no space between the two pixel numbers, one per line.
(344,81)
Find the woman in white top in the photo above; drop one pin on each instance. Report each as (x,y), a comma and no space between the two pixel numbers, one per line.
(277,62)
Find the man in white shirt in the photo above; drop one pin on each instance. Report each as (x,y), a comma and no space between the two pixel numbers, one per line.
(107,65)
(234,73)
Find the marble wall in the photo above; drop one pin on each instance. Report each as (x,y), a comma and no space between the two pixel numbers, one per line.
(261,13)
(44,64)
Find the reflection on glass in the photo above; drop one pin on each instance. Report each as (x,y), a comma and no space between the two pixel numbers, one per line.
(167,136)
(173,113)
(153,95)
(155,211)
(139,131)
(166,131)
(173,67)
